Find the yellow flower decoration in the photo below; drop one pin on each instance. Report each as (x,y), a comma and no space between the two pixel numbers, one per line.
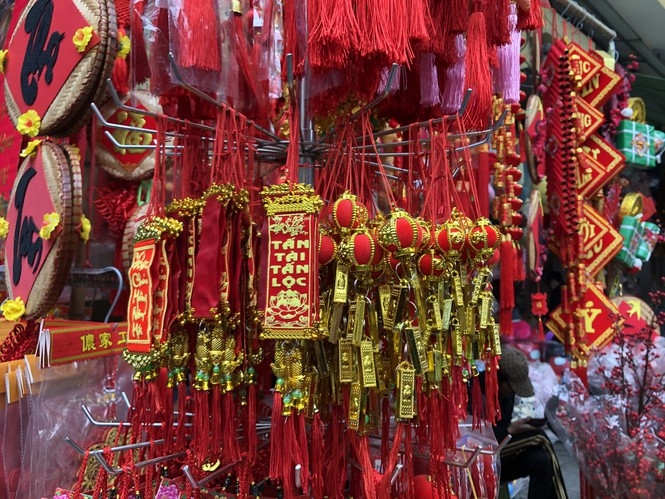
(82,37)
(86,226)
(29,123)
(3,60)
(125,45)
(51,221)
(31,148)
(4,228)
(13,310)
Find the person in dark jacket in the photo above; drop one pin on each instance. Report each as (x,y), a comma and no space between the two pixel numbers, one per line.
(529,452)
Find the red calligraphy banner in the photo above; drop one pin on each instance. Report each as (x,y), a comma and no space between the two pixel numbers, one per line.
(63,342)
(140,308)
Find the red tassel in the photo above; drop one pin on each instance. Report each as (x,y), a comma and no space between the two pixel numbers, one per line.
(476,402)
(216,421)
(304,451)
(201,426)
(317,457)
(531,18)
(229,441)
(182,411)
(496,16)
(492,409)
(291,457)
(520,270)
(251,423)
(478,75)
(198,36)
(507,291)
(335,34)
(407,472)
(457,15)
(138,51)
(276,437)
(120,75)
(385,429)
(420,24)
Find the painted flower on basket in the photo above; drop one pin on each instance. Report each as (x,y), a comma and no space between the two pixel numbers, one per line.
(125,45)
(13,310)
(29,123)
(3,60)
(4,228)
(82,37)
(288,304)
(31,148)
(86,226)
(51,221)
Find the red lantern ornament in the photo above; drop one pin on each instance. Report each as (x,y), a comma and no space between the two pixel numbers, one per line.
(539,304)
(401,234)
(430,265)
(483,238)
(451,236)
(516,203)
(327,248)
(348,213)
(516,233)
(360,250)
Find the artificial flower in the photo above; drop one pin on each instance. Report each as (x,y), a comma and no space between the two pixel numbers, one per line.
(86,226)
(31,148)
(125,45)
(4,228)
(3,60)
(82,37)
(51,221)
(13,310)
(29,123)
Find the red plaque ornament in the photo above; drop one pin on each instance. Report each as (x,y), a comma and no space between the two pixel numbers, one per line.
(36,266)
(600,87)
(131,162)
(597,318)
(599,162)
(584,64)
(600,242)
(290,243)
(590,118)
(59,56)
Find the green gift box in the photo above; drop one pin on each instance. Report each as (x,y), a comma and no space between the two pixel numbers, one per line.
(636,142)
(659,144)
(632,230)
(648,241)
(628,260)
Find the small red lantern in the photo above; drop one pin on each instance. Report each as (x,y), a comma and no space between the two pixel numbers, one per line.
(516,203)
(451,236)
(483,238)
(327,248)
(401,234)
(348,213)
(359,250)
(515,232)
(539,304)
(430,265)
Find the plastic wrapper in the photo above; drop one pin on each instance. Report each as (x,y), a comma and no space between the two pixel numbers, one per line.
(55,413)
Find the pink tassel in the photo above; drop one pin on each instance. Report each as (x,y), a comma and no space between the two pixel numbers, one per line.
(453,87)
(430,95)
(507,75)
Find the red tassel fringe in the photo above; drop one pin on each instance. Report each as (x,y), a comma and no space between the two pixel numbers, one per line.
(478,75)
(198,32)
(531,19)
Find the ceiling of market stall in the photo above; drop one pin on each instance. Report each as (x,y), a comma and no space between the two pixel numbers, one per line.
(640,29)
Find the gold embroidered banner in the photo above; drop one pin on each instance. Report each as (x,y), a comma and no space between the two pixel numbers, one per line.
(290,269)
(140,308)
